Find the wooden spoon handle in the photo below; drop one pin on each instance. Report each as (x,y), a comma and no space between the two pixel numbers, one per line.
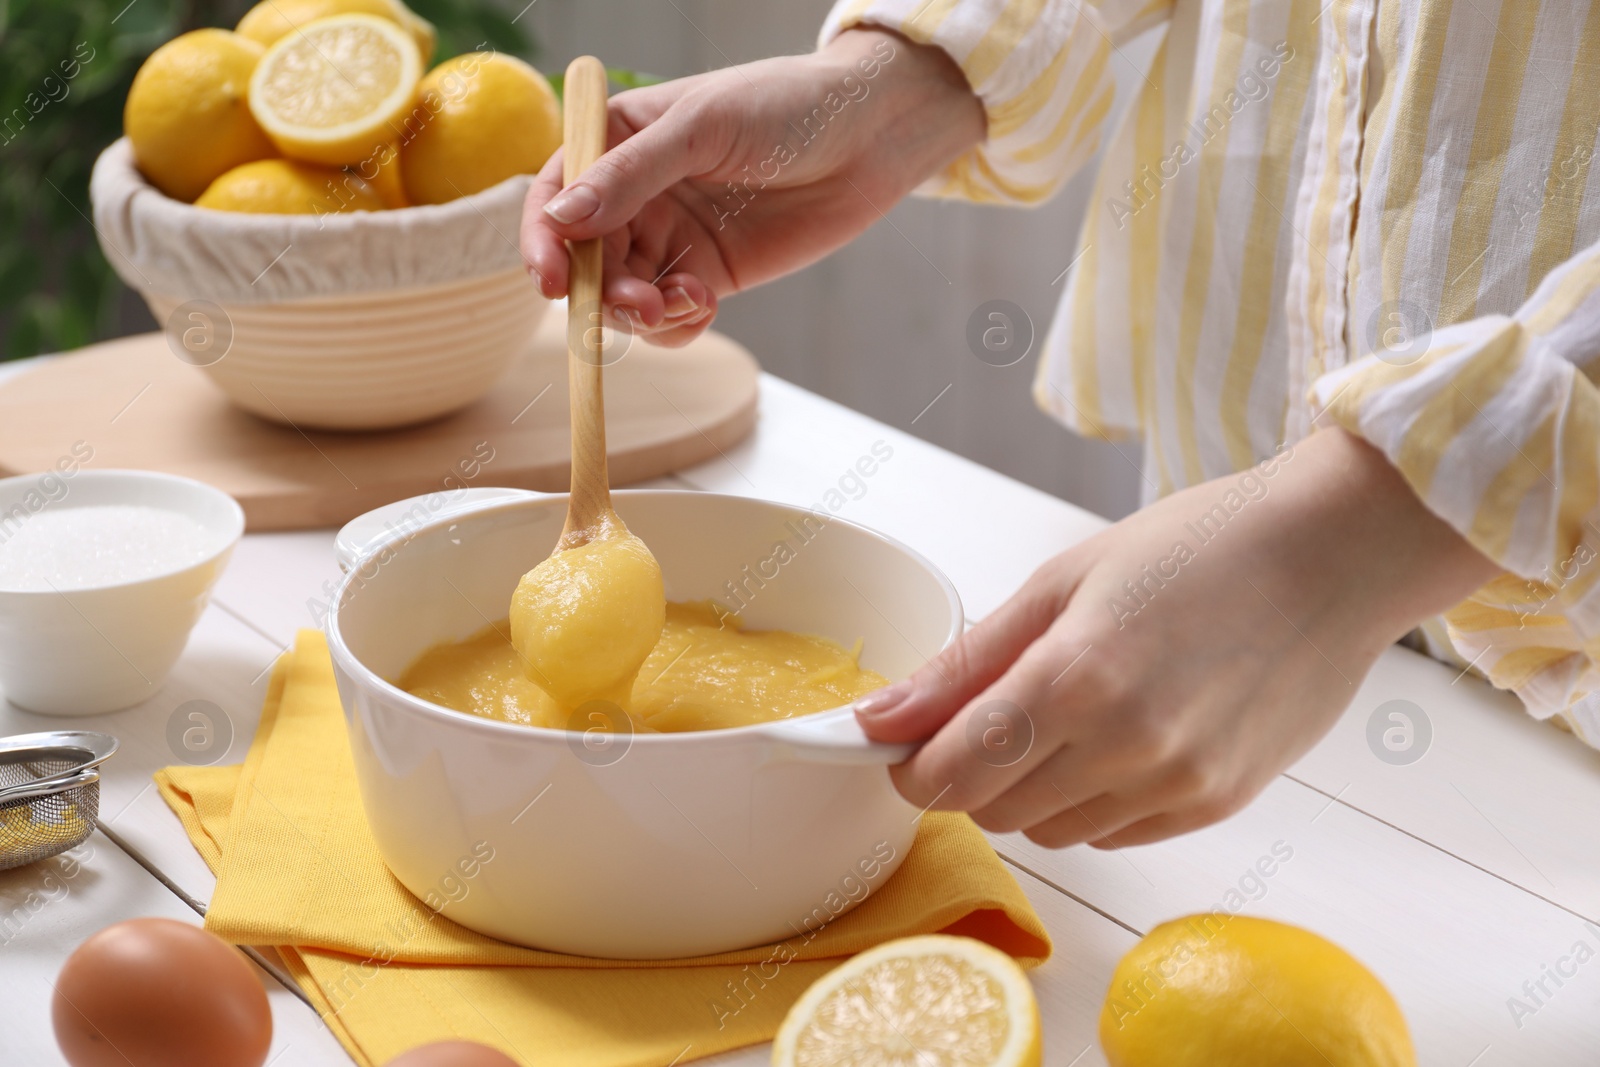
(584,140)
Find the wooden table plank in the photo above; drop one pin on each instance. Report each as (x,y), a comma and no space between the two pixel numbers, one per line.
(47,909)
(222,677)
(1493,786)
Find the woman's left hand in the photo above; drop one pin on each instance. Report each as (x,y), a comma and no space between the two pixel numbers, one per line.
(1156,677)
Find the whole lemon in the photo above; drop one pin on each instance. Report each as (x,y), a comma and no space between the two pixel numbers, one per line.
(482,117)
(187,113)
(1231,991)
(271,19)
(381,170)
(284,187)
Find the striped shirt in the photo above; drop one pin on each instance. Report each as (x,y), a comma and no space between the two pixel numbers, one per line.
(1379,214)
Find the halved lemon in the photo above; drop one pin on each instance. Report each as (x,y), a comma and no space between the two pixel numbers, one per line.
(333,91)
(271,19)
(932,1001)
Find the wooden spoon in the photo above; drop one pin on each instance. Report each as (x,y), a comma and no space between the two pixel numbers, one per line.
(584,141)
(586,618)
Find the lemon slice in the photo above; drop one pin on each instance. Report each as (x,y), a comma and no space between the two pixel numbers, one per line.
(271,19)
(931,1001)
(335,89)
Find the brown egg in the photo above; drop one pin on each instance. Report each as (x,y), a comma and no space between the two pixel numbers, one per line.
(160,993)
(453,1054)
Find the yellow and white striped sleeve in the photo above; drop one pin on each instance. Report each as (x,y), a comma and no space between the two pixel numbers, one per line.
(1495,423)
(1041,68)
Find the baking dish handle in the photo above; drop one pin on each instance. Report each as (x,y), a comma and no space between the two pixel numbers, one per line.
(366,532)
(834,738)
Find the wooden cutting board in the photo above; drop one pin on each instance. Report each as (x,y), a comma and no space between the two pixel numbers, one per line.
(138,406)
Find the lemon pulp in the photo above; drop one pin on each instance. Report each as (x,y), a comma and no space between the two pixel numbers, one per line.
(704,673)
(932,1001)
(334,91)
(271,20)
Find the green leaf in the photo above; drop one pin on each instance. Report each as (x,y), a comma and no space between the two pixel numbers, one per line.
(631,79)
(20,274)
(620,77)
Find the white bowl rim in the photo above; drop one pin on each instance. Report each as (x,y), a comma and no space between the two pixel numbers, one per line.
(495,727)
(232,533)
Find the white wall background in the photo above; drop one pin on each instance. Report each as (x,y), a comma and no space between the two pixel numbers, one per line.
(881,325)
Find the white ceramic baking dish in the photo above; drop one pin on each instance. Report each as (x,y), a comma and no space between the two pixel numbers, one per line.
(644,846)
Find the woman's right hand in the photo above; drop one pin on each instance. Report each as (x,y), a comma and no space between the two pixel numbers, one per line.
(722,181)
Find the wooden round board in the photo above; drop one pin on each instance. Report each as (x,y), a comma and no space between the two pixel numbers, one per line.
(136,405)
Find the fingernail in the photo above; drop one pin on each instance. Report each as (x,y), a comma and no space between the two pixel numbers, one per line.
(628,315)
(573,205)
(678,301)
(883,700)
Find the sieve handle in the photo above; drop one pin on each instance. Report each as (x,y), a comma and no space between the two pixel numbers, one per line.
(47,787)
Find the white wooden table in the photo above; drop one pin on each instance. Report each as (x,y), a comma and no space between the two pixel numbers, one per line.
(1458,878)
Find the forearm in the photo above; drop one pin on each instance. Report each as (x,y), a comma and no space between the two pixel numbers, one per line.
(1404,563)
(927,114)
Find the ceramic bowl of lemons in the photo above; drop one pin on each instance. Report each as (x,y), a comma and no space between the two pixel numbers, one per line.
(323,224)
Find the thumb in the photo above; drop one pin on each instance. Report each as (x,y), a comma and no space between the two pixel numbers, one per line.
(915,709)
(682,143)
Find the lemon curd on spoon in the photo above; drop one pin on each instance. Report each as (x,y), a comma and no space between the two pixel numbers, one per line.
(585,619)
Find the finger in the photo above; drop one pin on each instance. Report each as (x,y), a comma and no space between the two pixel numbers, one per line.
(1047,791)
(543,250)
(686,141)
(1187,810)
(1098,818)
(1001,736)
(916,708)
(676,336)
(632,299)
(685,298)
(1161,826)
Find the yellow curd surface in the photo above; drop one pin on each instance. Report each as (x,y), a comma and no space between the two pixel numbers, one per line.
(706,672)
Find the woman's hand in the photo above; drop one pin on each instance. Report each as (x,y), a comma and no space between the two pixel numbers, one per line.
(725,180)
(1155,678)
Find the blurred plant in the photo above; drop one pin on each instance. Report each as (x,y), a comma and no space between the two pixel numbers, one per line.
(65,69)
(617,76)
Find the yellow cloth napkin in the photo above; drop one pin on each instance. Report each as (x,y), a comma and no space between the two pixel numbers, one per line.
(298,869)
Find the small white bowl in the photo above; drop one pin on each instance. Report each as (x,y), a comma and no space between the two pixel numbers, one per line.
(98,649)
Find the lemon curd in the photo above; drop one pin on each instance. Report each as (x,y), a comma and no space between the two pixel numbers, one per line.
(585,619)
(706,672)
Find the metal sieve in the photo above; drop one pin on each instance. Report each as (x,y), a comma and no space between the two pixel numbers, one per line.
(49,792)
